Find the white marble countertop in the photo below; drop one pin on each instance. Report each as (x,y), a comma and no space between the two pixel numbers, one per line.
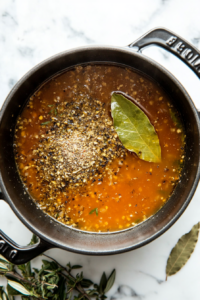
(31,31)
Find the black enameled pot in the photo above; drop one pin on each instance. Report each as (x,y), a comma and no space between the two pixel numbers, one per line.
(53,234)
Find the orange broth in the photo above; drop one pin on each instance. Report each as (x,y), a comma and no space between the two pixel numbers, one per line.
(117,194)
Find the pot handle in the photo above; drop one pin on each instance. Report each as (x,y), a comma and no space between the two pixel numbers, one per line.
(174,44)
(17,254)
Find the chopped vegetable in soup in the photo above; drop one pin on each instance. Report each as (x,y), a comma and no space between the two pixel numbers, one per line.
(72,162)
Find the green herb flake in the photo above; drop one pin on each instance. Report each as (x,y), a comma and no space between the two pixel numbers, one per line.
(45,123)
(50,112)
(94,210)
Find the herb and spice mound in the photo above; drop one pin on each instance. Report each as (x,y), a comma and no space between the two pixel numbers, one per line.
(97,165)
(79,143)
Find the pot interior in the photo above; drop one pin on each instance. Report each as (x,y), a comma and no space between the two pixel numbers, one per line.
(72,239)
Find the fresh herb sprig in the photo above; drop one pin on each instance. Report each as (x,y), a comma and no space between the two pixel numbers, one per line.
(52,281)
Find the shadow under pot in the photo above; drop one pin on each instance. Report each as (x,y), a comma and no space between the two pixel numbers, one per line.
(53,234)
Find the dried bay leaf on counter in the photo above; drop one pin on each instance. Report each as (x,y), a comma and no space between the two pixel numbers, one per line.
(182,251)
(134,129)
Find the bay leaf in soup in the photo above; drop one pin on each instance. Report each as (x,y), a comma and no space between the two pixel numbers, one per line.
(134,129)
(182,251)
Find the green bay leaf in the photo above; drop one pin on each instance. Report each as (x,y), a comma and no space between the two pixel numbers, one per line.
(134,129)
(182,251)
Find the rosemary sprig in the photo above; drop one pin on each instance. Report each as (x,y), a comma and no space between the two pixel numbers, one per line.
(52,281)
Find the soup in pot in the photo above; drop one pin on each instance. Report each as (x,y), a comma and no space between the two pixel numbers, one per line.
(72,162)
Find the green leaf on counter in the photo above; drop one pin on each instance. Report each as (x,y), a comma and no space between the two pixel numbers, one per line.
(18,287)
(102,284)
(110,281)
(86,283)
(3,266)
(3,295)
(11,291)
(61,289)
(3,258)
(182,251)
(134,129)
(76,267)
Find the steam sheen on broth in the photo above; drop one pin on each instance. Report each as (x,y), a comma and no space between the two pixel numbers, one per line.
(71,161)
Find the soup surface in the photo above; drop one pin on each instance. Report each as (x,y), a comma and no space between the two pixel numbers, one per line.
(71,161)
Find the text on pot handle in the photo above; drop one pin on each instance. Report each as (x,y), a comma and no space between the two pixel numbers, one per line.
(190,55)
